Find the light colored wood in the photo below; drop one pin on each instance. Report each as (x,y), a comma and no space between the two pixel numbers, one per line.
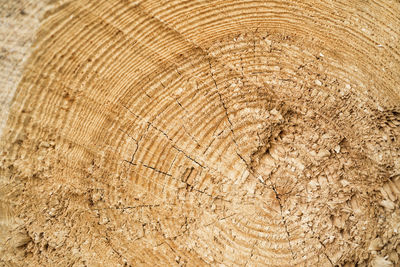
(196,133)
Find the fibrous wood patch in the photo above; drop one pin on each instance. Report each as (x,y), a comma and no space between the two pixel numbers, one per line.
(223,133)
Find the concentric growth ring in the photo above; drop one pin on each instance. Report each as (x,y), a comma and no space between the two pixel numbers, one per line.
(231,133)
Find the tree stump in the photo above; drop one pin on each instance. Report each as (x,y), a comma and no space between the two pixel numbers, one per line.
(204,133)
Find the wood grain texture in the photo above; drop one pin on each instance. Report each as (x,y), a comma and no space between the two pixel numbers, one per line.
(206,133)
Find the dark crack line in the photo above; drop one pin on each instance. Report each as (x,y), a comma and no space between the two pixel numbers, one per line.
(195,46)
(183,125)
(251,253)
(204,53)
(225,111)
(108,241)
(187,229)
(226,114)
(132,207)
(136,141)
(213,135)
(187,156)
(277,196)
(150,124)
(208,147)
(322,244)
(149,167)
(188,185)
(222,102)
(166,135)
(326,255)
(284,220)
(169,169)
(164,23)
(221,219)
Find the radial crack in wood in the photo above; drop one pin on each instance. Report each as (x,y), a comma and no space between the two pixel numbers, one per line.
(200,133)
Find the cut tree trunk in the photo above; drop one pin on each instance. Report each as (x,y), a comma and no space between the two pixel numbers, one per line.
(201,133)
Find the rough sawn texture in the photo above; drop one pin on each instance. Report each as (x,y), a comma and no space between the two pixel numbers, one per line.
(201,133)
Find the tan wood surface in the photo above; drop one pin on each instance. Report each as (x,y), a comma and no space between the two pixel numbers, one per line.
(200,133)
